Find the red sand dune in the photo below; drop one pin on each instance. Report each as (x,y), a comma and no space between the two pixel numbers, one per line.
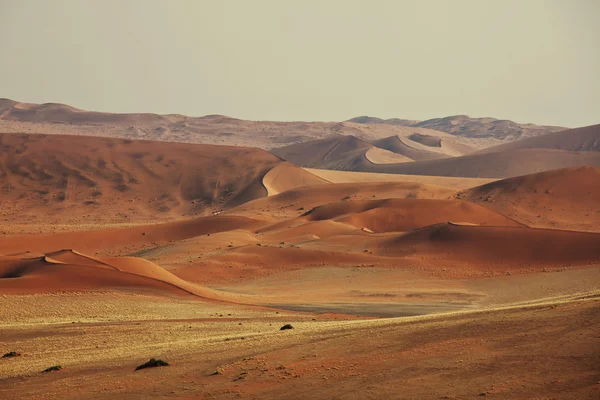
(74,178)
(400,215)
(491,247)
(565,198)
(68,270)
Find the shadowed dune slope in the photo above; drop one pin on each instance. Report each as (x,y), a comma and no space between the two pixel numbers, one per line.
(489,246)
(580,139)
(380,156)
(286,176)
(335,152)
(399,215)
(68,270)
(105,240)
(396,145)
(426,140)
(120,180)
(566,198)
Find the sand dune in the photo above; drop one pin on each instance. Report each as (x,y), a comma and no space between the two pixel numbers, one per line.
(52,177)
(489,247)
(504,164)
(351,176)
(286,176)
(400,215)
(348,154)
(335,152)
(297,201)
(380,156)
(424,144)
(565,198)
(254,243)
(579,139)
(398,145)
(129,239)
(68,270)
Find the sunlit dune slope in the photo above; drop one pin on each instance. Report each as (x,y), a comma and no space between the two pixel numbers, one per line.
(351,176)
(564,198)
(286,176)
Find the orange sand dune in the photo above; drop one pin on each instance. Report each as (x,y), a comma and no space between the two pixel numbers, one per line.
(297,201)
(50,178)
(68,270)
(123,239)
(566,198)
(491,247)
(286,176)
(400,215)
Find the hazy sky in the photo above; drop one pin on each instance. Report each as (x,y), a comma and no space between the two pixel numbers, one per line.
(526,60)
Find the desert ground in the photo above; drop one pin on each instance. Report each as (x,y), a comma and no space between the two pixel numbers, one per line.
(407,261)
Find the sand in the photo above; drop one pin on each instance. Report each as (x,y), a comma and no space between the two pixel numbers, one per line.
(404,287)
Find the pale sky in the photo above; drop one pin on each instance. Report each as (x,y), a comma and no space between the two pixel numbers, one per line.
(526,60)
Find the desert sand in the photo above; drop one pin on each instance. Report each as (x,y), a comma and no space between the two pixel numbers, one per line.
(476,275)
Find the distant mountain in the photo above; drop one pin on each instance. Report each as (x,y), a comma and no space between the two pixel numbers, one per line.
(54,118)
(465,126)
(391,121)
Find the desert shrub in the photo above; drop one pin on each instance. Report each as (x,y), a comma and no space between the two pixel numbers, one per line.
(152,364)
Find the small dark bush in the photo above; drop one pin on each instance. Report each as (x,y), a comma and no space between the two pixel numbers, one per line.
(152,364)
(286,326)
(11,354)
(53,368)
